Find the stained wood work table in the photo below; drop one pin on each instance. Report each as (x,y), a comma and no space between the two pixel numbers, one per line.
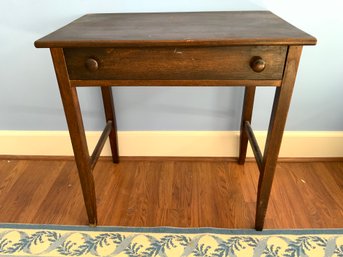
(247,49)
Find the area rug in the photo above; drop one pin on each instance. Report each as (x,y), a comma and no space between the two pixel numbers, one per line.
(51,240)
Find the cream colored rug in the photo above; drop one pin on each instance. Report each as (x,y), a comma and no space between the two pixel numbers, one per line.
(50,240)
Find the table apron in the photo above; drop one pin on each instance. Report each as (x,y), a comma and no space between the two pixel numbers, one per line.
(175,83)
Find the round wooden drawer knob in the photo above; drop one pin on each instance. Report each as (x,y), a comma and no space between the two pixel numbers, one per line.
(92,64)
(257,64)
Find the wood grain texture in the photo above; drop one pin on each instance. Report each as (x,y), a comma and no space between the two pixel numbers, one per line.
(196,47)
(254,145)
(175,63)
(77,132)
(108,102)
(247,110)
(202,28)
(172,193)
(168,158)
(100,145)
(276,128)
(172,83)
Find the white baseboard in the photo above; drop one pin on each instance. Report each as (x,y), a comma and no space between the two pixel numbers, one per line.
(172,143)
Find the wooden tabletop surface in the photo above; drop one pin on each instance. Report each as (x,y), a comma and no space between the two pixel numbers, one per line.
(163,29)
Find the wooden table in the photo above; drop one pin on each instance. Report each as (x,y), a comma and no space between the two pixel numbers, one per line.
(248,49)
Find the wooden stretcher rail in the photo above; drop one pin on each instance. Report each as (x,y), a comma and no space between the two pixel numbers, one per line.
(254,144)
(98,148)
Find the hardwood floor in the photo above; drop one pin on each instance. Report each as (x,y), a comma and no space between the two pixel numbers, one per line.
(172,193)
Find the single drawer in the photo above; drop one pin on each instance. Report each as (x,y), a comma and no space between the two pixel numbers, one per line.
(180,63)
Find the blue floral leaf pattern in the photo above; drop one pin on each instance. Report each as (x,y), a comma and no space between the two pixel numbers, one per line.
(251,241)
(339,251)
(229,247)
(183,240)
(272,251)
(117,238)
(131,244)
(160,246)
(3,244)
(26,242)
(201,250)
(319,241)
(53,236)
(66,248)
(133,250)
(300,245)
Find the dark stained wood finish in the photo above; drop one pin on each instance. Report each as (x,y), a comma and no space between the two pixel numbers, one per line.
(248,105)
(177,29)
(175,63)
(193,49)
(100,145)
(254,145)
(107,98)
(172,193)
(281,103)
(258,64)
(184,83)
(77,133)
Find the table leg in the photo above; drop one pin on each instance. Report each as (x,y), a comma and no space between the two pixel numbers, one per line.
(107,98)
(248,104)
(281,103)
(77,133)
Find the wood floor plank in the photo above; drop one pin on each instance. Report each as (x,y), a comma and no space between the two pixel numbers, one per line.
(172,193)
(42,174)
(284,199)
(64,203)
(9,172)
(140,195)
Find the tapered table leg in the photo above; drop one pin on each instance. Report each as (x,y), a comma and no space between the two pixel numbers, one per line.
(248,104)
(281,103)
(107,98)
(77,133)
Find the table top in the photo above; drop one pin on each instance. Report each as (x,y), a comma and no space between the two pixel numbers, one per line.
(171,29)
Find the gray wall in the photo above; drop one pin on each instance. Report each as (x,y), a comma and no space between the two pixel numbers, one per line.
(29,98)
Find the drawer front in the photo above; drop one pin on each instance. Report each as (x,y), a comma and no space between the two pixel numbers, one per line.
(181,63)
